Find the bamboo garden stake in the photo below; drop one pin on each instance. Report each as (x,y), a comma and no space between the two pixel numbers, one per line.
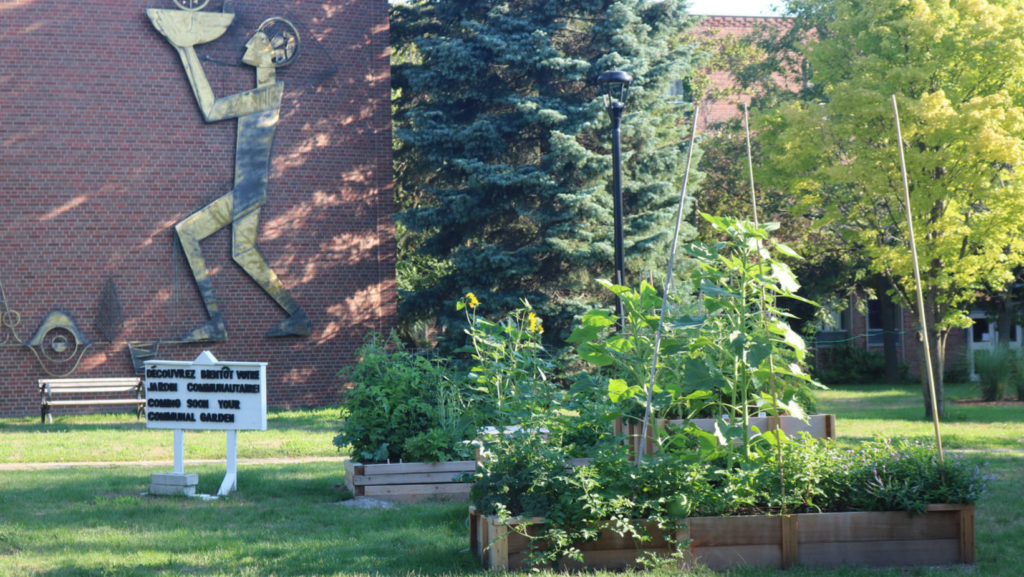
(917,282)
(668,285)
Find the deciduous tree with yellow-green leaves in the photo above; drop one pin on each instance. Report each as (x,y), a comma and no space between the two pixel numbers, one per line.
(957,70)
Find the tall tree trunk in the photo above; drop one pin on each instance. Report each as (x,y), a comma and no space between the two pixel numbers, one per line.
(937,342)
(889,337)
(1004,319)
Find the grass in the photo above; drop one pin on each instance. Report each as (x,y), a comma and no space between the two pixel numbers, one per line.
(119,437)
(864,412)
(285,519)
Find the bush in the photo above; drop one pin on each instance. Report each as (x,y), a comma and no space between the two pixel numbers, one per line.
(1018,364)
(404,406)
(848,365)
(408,407)
(995,368)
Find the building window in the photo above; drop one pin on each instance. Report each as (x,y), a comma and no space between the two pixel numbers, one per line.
(680,91)
(980,331)
(836,332)
(876,334)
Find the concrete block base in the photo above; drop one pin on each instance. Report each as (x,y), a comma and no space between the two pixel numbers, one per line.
(173,484)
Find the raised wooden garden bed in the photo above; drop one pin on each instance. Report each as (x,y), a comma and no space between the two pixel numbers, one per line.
(409,482)
(944,535)
(500,547)
(817,426)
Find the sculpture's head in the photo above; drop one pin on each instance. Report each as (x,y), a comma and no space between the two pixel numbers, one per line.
(275,44)
(258,51)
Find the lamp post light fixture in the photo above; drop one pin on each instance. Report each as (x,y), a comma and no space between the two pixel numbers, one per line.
(615,87)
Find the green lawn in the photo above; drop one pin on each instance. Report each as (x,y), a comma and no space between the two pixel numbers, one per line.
(285,520)
(864,412)
(120,437)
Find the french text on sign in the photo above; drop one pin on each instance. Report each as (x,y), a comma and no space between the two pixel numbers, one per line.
(206,394)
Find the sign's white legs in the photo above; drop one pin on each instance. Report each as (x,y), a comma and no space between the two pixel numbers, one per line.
(230,478)
(179,452)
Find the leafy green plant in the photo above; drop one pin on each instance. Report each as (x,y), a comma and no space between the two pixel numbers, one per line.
(900,475)
(731,354)
(625,357)
(737,358)
(409,407)
(527,476)
(510,366)
(404,406)
(746,352)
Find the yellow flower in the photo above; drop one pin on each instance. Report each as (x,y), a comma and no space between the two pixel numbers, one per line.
(535,326)
(471,300)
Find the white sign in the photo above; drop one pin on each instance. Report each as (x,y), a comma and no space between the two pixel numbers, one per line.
(206,394)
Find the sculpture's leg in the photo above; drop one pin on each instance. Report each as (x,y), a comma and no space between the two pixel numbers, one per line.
(191,231)
(245,253)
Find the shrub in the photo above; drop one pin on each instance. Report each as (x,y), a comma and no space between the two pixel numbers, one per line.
(410,407)
(1018,364)
(995,368)
(404,406)
(847,365)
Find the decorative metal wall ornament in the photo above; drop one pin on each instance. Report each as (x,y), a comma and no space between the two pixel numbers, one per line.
(58,342)
(191,5)
(140,352)
(284,39)
(9,320)
(109,319)
(257,111)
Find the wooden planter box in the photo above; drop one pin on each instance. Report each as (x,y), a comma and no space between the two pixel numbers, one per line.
(499,547)
(409,482)
(817,426)
(944,535)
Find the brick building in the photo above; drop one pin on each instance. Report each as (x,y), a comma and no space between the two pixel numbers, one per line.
(728,102)
(103,150)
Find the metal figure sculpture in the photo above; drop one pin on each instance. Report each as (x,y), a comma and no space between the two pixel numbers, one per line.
(274,44)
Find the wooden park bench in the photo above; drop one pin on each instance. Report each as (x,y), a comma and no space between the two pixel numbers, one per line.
(90,392)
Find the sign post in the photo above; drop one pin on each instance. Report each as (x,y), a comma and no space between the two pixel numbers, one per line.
(204,394)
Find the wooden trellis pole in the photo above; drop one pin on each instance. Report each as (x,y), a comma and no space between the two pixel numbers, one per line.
(917,282)
(649,409)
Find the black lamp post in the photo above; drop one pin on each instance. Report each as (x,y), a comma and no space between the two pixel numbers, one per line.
(615,85)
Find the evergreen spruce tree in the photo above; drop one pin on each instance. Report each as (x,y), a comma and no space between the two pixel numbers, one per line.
(503,135)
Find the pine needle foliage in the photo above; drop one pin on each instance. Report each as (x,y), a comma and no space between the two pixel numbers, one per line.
(503,147)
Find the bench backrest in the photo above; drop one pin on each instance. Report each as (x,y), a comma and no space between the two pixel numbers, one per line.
(97,385)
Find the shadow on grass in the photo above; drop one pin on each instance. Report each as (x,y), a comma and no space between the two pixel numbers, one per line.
(284,520)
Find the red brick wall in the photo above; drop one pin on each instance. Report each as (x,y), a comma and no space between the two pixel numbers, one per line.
(103,150)
(729,104)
